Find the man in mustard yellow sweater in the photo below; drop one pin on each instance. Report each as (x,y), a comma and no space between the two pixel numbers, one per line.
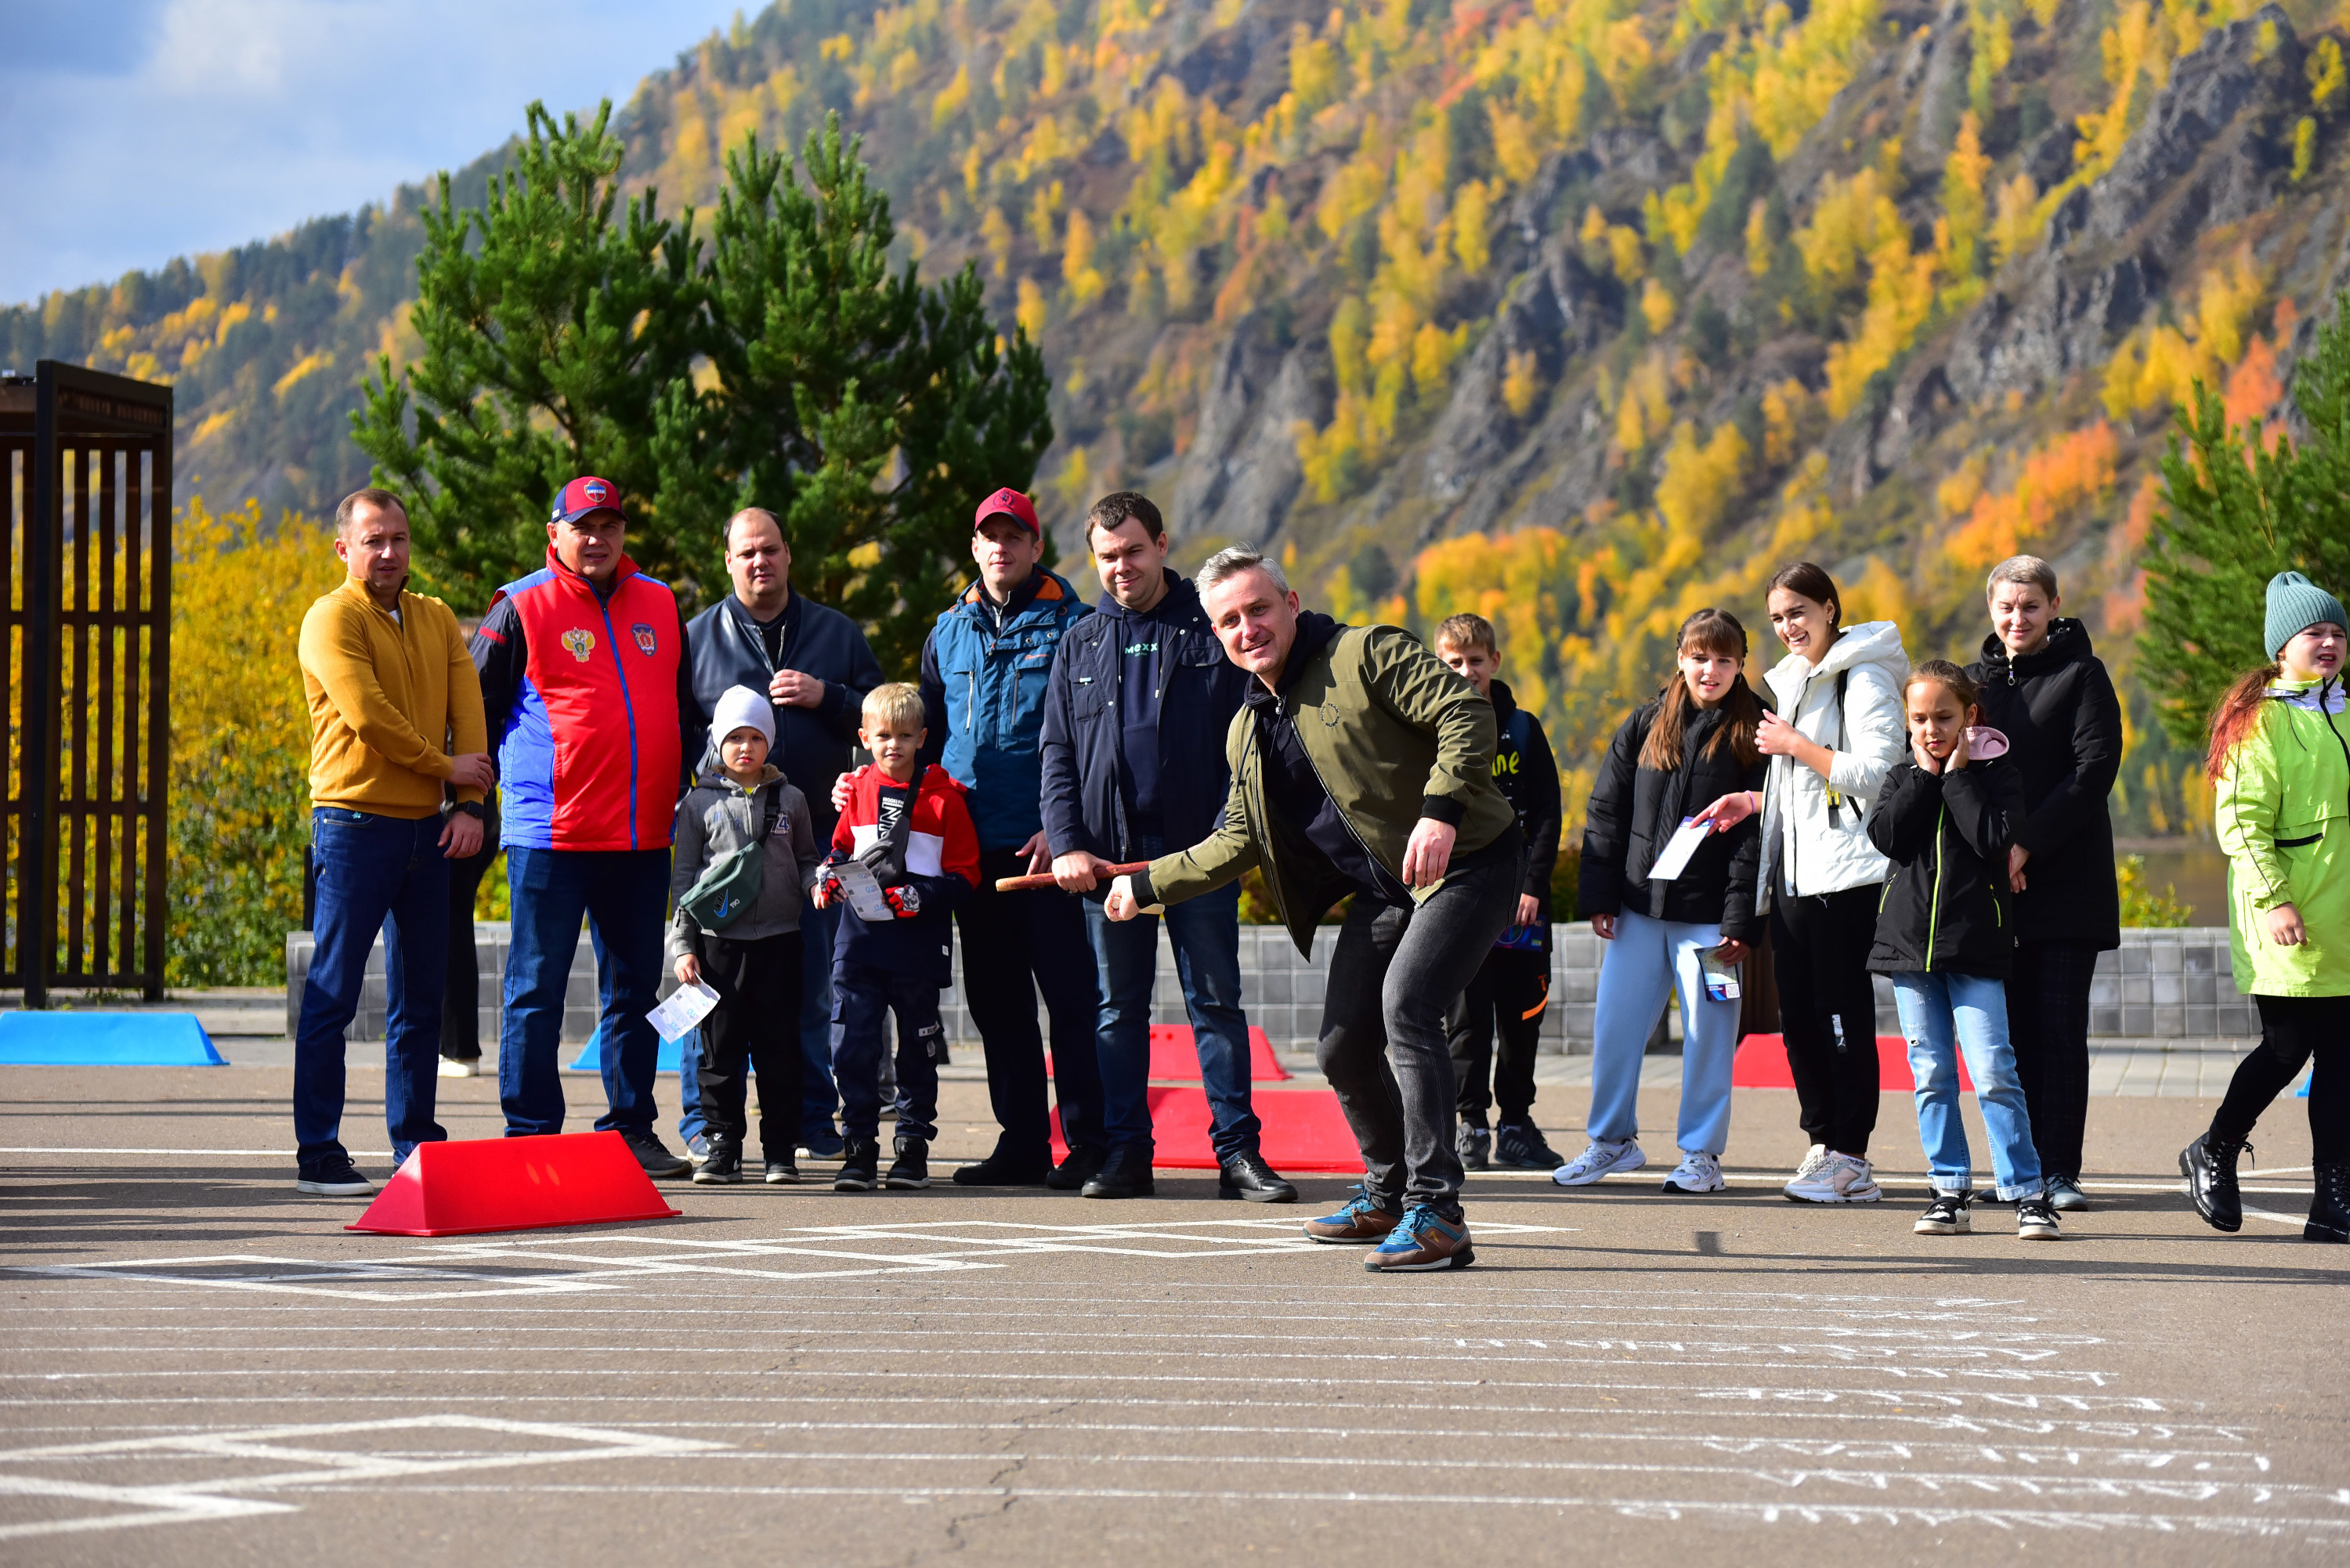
(389,683)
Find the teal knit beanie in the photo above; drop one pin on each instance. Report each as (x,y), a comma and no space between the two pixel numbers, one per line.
(2296,604)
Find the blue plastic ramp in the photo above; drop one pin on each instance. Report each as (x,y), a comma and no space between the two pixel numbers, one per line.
(106,1040)
(591,1055)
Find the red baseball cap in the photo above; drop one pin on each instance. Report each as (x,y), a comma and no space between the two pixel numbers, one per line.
(585,495)
(1008,504)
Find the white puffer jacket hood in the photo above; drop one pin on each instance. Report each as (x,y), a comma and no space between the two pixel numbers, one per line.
(1826,849)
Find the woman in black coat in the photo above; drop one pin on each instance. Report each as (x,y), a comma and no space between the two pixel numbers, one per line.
(2048,694)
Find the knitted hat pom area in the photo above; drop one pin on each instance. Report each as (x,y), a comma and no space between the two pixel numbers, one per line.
(2294,605)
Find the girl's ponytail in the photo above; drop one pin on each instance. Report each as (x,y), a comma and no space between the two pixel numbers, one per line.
(2237,716)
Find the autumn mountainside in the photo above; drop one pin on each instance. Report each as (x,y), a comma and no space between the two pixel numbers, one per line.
(1583,313)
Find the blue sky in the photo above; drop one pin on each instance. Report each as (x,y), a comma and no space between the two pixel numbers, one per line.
(135,130)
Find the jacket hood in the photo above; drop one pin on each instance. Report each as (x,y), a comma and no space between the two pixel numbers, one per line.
(2068,643)
(1316,631)
(2319,697)
(1983,743)
(1875,642)
(1505,700)
(1179,595)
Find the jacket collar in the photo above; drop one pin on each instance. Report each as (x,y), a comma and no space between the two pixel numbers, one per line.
(2068,643)
(714,777)
(1045,588)
(2322,698)
(1864,642)
(579,585)
(1505,700)
(356,592)
(1316,631)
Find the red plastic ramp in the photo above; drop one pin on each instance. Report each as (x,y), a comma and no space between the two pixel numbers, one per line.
(1304,1130)
(1173,1055)
(515,1184)
(1762,1063)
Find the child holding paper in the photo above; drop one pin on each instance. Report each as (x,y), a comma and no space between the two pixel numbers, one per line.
(904,854)
(1674,756)
(742,936)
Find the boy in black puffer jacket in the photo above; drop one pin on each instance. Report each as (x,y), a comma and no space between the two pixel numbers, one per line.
(1944,934)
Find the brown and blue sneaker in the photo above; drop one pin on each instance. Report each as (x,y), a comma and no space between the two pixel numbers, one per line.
(1361,1223)
(1424,1240)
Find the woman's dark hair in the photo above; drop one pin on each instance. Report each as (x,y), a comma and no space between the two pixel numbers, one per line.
(1710,631)
(1811,582)
(1944,673)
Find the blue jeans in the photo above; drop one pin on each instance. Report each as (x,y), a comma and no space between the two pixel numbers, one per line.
(863,998)
(1206,933)
(624,894)
(814,1035)
(1640,969)
(376,874)
(1933,1006)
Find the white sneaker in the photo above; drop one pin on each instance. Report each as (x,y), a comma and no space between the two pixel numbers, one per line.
(1696,1173)
(1817,1158)
(1839,1178)
(1596,1161)
(456,1067)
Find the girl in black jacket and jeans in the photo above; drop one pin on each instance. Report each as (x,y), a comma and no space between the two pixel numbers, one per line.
(2046,692)
(1672,758)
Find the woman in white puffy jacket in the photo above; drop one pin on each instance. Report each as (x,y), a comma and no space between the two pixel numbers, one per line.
(1837,732)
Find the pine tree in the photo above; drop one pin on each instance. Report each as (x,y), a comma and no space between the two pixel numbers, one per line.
(2239,508)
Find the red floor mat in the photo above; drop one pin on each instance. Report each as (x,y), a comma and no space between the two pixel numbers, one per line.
(1762,1063)
(1304,1130)
(1172,1056)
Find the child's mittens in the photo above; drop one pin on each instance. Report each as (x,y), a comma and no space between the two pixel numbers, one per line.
(905,901)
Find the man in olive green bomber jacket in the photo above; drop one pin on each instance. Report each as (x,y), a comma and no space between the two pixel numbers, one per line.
(1362,766)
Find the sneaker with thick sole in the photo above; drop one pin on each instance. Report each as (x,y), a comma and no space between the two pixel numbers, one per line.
(860,1165)
(1124,1174)
(1696,1173)
(723,1166)
(1597,1159)
(2065,1195)
(1474,1145)
(1362,1222)
(1248,1177)
(1834,1179)
(655,1158)
(1520,1145)
(1814,1157)
(2035,1220)
(782,1173)
(460,1066)
(911,1168)
(333,1176)
(1946,1215)
(1001,1170)
(1423,1241)
(1074,1173)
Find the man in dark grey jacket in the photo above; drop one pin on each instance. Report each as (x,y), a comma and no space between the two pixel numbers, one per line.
(1134,716)
(814,665)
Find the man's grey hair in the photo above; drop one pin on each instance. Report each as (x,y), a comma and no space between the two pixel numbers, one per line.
(1232,561)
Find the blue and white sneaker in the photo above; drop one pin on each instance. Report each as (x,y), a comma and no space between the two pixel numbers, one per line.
(697,1149)
(1698,1172)
(1597,1159)
(1359,1224)
(1421,1242)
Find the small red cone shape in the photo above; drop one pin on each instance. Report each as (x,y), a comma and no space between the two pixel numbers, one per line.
(515,1184)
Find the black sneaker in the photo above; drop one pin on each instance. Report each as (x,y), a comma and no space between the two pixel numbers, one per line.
(1474,1145)
(655,1156)
(332,1177)
(911,1168)
(860,1165)
(2035,1220)
(1246,1176)
(1082,1166)
(723,1166)
(1124,1174)
(2209,1163)
(1945,1216)
(1519,1146)
(1002,1169)
(781,1172)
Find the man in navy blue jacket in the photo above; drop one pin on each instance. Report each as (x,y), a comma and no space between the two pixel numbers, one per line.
(1141,697)
(814,665)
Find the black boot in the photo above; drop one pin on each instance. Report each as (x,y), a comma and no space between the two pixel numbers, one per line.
(913,1165)
(2210,1166)
(2329,1207)
(1247,1176)
(1073,1173)
(860,1165)
(1124,1174)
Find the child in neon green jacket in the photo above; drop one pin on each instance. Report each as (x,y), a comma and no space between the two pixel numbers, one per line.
(2280,764)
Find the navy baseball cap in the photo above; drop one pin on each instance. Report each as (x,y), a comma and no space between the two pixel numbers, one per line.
(585,495)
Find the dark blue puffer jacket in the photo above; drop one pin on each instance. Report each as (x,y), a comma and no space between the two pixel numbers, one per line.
(984,695)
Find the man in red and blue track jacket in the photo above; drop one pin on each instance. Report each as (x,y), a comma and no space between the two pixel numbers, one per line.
(586,688)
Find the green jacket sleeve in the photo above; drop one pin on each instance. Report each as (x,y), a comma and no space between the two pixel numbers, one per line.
(2244,817)
(1224,855)
(1417,687)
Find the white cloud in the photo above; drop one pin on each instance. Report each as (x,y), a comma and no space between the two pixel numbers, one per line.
(181,126)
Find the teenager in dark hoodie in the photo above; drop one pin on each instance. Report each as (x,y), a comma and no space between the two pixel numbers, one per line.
(2050,696)
(1945,820)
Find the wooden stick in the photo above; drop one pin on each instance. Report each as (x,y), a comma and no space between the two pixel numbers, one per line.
(1045,878)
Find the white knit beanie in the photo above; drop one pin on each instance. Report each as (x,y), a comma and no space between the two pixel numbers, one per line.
(740,707)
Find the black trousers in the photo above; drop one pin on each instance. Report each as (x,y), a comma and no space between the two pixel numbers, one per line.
(1014,945)
(2048,1024)
(756,1025)
(1507,997)
(2292,1030)
(460,1015)
(1827,1009)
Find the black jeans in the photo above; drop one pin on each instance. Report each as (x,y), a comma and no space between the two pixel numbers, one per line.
(1508,996)
(460,1003)
(1014,945)
(2048,1024)
(1827,1009)
(1393,977)
(757,1021)
(2293,1029)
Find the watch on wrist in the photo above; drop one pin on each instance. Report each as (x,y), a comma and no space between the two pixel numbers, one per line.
(474,808)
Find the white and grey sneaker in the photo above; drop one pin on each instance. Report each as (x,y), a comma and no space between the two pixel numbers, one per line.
(1838,1178)
(1696,1173)
(1597,1159)
(1814,1158)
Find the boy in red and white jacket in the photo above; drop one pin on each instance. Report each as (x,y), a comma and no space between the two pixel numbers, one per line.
(908,826)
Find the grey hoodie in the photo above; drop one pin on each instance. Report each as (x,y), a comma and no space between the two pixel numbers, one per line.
(718,815)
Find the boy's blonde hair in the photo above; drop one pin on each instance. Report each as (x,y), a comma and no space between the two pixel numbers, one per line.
(894,703)
(1466,630)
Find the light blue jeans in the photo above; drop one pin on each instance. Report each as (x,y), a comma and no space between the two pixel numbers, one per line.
(1639,970)
(1934,1008)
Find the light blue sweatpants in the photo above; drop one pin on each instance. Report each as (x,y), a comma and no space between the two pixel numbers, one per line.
(1638,972)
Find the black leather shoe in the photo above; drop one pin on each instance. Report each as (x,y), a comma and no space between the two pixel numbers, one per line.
(1124,1174)
(2210,1167)
(2329,1209)
(1002,1169)
(1247,1176)
(1080,1167)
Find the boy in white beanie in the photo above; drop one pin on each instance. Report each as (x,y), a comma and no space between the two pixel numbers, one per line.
(744,858)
